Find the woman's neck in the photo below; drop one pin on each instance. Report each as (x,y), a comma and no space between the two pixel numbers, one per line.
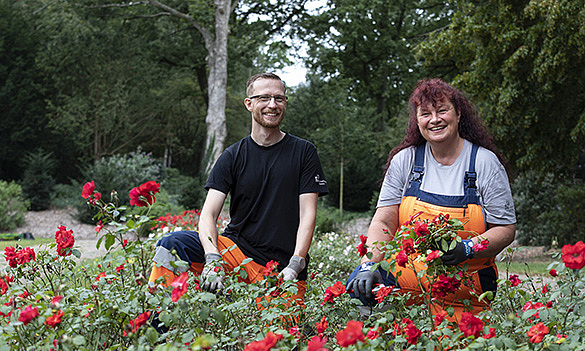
(447,153)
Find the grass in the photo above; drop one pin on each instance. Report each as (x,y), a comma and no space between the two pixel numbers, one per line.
(25,243)
(531,267)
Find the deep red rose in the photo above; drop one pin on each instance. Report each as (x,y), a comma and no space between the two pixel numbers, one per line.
(65,241)
(408,246)
(401,259)
(361,248)
(180,286)
(470,325)
(139,321)
(321,326)
(88,189)
(351,334)
(55,318)
(515,280)
(537,333)
(316,343)
(445,285)
(28,314)
(433,255)
(383,292)
(421,228)
(481,246)
(11,256)
(491,334)
(439,317)
(573,256)
(269,269)
(143,195)
(373,333)
(411,332)
(553,272)
(337,289)
(264,345)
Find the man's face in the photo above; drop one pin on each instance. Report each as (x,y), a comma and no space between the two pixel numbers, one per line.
(270,113)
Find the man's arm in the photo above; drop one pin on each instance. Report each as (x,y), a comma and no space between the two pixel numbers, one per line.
(307,220)
(208,220)
(382,228)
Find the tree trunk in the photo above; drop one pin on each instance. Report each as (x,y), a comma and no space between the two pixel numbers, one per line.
(215,120)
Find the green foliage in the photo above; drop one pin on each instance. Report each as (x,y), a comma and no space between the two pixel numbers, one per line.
(106,303)
(38,181)
(117,175)
(521,61)
(549,209)
(12,205)
(193,193)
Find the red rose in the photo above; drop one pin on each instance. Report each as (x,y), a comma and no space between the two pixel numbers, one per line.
(55,318)
(439,317)
(316,343)
(383,292)
(491,334)
(421,228)
(411,332)
(408,246)
(28,314)
(470,325)
(373,333)
(337,289)
(139,321)
(88,189)
(180,286)
(264,345)
(351,334)
(553,272)
(515,280)
(433,255)
(143,195)
(573,256)
(65,241)
(321,326)
(537,333)
(445,285)
(401,259)
(362,250)
(269,269)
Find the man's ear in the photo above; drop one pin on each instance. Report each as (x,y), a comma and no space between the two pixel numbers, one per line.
(248,104)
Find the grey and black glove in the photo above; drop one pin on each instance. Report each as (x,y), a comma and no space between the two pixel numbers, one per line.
(212,280)
(461,252)
(295,266)
(365,281)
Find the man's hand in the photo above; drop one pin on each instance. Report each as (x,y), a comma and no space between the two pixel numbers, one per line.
(365,280)
(212,281)
(295,266)
(462,251)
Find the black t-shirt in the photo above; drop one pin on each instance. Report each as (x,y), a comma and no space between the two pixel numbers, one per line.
(265,184)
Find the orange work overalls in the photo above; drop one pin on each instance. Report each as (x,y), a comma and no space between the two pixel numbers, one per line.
(467,209)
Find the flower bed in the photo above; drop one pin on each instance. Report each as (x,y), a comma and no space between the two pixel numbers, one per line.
(50,302)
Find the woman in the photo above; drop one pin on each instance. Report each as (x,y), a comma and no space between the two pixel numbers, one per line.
(446,163)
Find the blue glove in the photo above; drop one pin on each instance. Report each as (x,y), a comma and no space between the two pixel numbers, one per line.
(461,252)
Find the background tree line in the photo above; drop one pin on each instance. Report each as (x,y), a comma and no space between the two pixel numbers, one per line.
(84,80)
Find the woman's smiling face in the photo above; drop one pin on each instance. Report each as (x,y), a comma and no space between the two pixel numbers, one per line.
(438,123)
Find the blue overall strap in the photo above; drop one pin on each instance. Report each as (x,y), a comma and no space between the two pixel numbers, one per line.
(417,171)
(469,182)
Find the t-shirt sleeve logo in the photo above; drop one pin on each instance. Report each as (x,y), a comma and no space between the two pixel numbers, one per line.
(320,181)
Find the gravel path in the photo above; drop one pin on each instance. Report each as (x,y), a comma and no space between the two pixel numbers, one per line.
(44,224)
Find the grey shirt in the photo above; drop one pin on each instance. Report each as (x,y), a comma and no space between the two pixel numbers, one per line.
(493,186)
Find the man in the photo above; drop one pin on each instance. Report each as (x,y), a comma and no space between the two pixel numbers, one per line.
(274,180)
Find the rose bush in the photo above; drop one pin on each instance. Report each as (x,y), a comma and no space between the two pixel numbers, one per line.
(52,301)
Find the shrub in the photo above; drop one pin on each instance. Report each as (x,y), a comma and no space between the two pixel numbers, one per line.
(119,174)
(38,181)
(193,193)
(549,210)
(12,206)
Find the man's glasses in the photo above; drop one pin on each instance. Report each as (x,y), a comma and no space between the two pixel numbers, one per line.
(279,99)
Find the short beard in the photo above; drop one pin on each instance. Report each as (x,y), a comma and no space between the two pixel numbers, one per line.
(267,124)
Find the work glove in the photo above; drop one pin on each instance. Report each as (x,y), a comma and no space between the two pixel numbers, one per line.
(365,281)
(295,266)
(212,281)
(462,251)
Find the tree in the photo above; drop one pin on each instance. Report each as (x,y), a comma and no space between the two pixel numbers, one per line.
(522,62)
(212,21)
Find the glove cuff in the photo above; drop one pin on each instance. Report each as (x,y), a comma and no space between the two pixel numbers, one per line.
(366,266)
(297,263)
(212,257)
(468,245)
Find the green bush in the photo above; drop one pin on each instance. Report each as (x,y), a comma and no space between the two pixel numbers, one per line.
(193,193)
(38,181)
(12,206)
(549,210)
(120,173)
